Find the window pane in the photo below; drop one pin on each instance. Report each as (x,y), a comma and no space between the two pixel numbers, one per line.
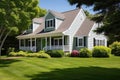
(60,41)
(22,42)
(51,23)
(80,42)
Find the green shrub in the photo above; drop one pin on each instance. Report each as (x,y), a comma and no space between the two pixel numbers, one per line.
(101,51)
(67,54)
(20,53)
(55,53)
(115,48)
(12,54)
(84,52)
(41,51)
(33,55)
(44,55)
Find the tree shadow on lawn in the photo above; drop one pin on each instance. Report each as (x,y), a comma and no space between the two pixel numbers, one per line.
(81,73)
(7,61)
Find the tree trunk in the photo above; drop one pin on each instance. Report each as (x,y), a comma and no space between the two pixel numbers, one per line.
(2,42)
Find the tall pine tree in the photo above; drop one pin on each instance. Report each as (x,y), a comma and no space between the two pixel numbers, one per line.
(108,13)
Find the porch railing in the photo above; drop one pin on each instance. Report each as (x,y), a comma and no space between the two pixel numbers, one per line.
(33,48)
(54,47)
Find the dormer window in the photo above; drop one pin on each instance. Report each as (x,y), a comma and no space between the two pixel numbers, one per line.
(49,23)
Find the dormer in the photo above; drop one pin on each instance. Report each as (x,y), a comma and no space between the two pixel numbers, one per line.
(36,23)
(53,20)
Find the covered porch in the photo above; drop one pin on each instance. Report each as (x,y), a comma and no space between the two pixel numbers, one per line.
(45,43)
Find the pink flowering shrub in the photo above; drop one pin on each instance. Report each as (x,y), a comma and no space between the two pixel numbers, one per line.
(75,53)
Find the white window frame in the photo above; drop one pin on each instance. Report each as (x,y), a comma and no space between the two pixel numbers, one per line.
(58,41)
(78,39)
(49,25)
(100,42)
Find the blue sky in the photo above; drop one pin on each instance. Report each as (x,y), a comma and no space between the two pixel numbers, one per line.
(60,5)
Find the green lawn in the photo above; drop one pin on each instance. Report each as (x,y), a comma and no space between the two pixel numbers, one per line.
(60,69)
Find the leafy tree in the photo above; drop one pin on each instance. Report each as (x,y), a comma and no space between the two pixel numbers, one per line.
(16,16)
(108,13)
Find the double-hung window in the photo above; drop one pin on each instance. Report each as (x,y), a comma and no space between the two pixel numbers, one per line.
(50,23)
(80,42)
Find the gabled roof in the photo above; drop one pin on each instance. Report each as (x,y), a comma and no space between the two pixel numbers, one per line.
(85,28)
(38,20)
(57,14)
(69,18)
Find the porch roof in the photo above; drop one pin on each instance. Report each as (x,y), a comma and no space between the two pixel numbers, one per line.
(48,34)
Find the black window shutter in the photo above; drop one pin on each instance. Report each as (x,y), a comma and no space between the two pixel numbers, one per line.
(54,22)
(76,41)
(84,41)
(94,41)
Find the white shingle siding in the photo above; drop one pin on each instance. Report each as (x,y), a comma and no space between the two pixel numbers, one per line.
(35,26)
(74,27)
(57,22)
(92,35)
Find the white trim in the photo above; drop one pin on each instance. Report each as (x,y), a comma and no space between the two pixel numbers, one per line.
(35,44)
(78,45)
(63,42)
(46,42)
(50,42)
(49,19)
(30,43)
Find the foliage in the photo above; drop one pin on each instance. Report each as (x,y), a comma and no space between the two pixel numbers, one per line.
(16,54)
(84,52)
(14,14)
(10,49)
(44,55)
(40,54)
(67,54)
(115,48)
(90,16)
(75,53)
(101,51)
(108,12)
(55,53)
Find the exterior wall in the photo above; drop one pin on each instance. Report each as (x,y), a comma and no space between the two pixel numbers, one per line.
(96,36)
(75,47)
(58,22)
(35,26)
(74,27)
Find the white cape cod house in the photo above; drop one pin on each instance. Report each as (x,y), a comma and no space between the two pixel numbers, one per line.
(66,31)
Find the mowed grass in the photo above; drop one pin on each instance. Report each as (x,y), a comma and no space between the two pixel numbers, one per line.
(60,69)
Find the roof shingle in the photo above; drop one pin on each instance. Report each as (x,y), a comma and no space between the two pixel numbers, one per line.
(85,28)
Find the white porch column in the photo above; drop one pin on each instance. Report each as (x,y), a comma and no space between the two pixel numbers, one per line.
(50,42)
(35,44)
(31,44)
(46,43)
(63,42)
